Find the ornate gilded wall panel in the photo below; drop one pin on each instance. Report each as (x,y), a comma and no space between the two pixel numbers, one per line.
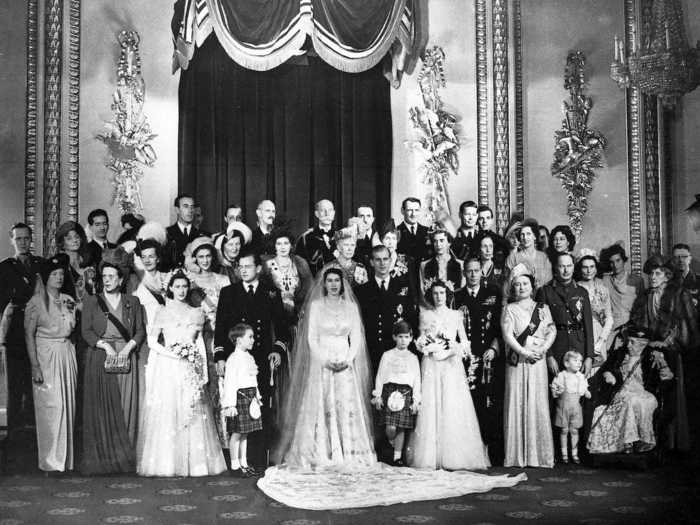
(518,81)
(30,141)
(651,175)
(52,121)
(482,105)
(500,110)
(73,108)
(634,149)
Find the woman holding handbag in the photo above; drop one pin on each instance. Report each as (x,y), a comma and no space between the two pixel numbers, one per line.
(113,327)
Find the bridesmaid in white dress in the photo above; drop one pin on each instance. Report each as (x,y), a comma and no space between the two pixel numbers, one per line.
(447,430)
(528,331)
(179,437)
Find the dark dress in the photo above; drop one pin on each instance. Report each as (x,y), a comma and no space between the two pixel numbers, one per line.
(110,403)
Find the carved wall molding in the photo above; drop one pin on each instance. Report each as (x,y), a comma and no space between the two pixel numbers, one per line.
(651,174)
(518,109)
(30,140)
(634,148)
(73,108)
(500,112)
(53,45)
(482,104)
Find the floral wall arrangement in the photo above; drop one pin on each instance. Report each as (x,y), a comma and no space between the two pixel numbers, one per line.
(578,148)
(437,133)
(128,135)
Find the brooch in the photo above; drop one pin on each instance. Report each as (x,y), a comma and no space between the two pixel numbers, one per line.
(404,291)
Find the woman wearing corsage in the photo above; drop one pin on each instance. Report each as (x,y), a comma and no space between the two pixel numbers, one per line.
(179,436)
(346,242)
(447,430)
(49,320)
(528,331)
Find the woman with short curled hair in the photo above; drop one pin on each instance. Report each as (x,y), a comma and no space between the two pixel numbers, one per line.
(529,332)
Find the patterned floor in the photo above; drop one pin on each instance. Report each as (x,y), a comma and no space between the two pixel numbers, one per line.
(563,495)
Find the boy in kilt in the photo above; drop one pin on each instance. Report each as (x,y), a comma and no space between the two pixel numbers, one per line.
(241,399)
(397,390)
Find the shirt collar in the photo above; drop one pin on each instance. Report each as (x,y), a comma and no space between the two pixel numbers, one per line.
(254,284)
(379,280)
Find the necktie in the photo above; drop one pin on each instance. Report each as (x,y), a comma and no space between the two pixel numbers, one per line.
(383,285)
(251,290)
(413,229)
(472,292)
(187,231)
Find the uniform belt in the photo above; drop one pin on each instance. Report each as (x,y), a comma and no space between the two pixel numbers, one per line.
(570,327)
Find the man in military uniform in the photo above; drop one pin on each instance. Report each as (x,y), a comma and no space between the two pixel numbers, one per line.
(466,242)
(316,245)
(571,312)
(17,281)
(253,302)
(413,236)
(481,305)
(383,301)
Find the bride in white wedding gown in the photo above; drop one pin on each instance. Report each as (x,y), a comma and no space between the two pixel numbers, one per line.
(325,456)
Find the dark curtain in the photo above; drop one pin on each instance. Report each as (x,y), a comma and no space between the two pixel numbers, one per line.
(294,134)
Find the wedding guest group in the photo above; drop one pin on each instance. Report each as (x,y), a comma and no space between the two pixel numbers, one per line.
(463,351)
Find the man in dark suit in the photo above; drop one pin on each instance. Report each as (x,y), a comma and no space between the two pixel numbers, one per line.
(262,232)
(99,226)
(253,302)
(383,301)
(501,247)
(413,236)
(481,305)
(180,234)
(367,236)
(316,245)
(17,280)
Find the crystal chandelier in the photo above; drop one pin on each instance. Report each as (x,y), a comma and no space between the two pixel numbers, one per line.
(665,65)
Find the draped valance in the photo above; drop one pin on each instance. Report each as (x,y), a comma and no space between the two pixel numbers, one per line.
(350,35)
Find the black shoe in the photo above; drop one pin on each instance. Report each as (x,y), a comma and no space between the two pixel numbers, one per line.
(398,463)
(247,472)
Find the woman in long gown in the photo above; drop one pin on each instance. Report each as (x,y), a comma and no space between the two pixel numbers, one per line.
(325,457)
(447,430)
(49,320)
(111,400)
(206,288)
(334,426)
(528,331)
(179,436)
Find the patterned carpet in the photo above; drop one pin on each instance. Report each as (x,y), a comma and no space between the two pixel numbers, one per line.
(566,494)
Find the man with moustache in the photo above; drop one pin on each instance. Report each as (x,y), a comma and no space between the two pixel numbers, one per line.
(316,245)
(17,281)
(571,312)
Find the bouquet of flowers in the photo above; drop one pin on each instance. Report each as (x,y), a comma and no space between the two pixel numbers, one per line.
(189,352)
(435,343)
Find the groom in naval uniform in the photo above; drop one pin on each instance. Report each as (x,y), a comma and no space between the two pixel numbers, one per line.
(481,305)
(383,301)
(253,302)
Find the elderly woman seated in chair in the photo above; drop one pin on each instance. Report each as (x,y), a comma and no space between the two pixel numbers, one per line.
(631,378)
